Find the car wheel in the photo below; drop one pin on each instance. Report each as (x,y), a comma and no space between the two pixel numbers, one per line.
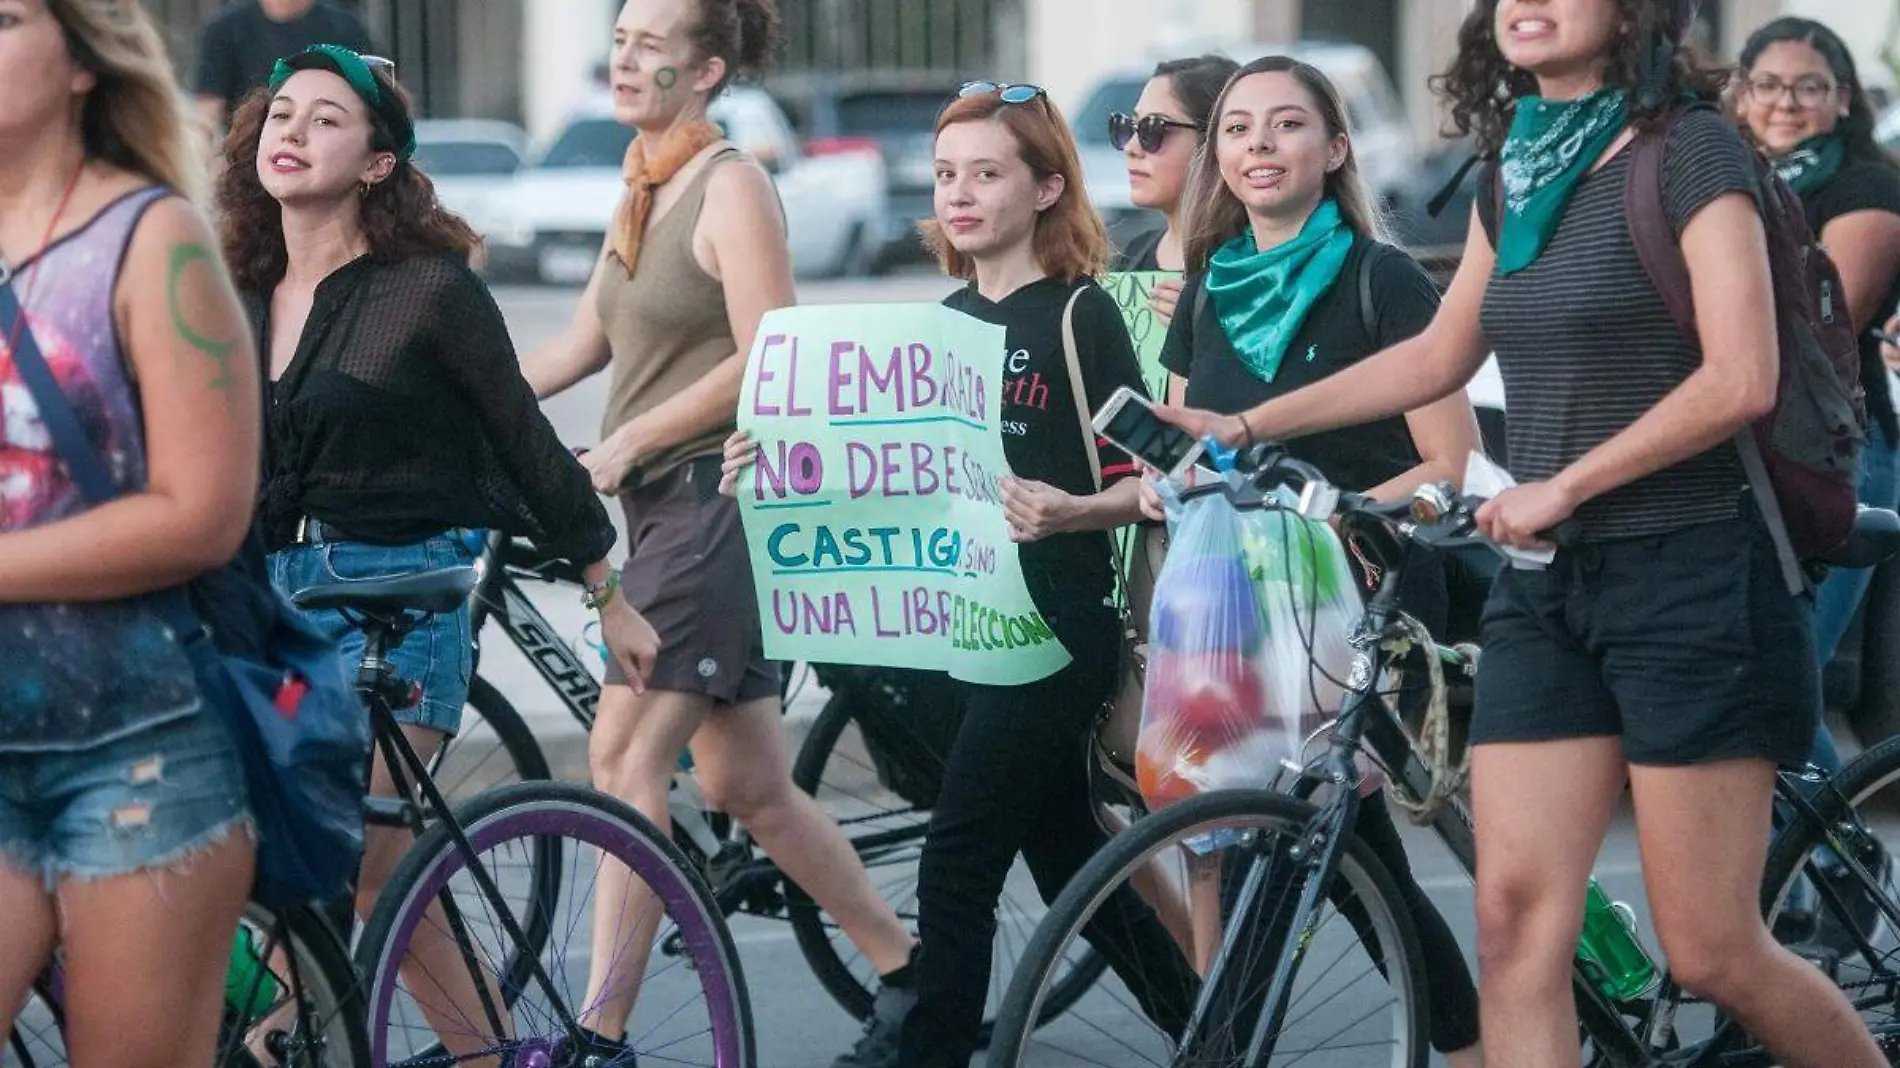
(1876,716)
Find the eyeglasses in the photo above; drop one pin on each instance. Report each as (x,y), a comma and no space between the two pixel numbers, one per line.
(1809,92)
(1011,94)
(1151,130)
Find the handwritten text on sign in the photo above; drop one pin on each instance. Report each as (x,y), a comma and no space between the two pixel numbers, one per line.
(1130,290)
(874,516)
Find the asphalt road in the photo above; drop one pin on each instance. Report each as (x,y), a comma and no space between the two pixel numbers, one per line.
(798,1025)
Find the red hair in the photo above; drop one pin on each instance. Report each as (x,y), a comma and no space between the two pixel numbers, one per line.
(1070,240)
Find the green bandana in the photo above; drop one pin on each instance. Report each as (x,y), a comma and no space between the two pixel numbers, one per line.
(1552,144)
(1262,297)
(1812,163)
(352,68)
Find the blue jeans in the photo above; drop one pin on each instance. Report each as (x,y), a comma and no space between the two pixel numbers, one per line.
(1840,594)
(438,654)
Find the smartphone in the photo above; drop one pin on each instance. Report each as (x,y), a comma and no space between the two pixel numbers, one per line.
(1882,336)
(1128,420)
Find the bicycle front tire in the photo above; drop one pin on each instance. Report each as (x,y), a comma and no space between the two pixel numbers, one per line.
(1359,873)
(578,816)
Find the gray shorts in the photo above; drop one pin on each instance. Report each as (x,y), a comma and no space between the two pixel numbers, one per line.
(688,573)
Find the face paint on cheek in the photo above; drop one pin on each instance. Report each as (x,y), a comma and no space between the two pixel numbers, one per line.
(664,80)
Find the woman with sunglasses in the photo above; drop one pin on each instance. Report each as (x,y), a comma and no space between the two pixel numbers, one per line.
(1159,140)
(1661,649)
(1282,244)
(125,838)
(1012,218)
(399,417)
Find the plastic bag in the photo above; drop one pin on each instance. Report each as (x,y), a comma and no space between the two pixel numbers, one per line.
(1249,650)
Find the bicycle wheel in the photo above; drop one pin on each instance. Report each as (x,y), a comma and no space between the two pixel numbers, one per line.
(1363,1002)
(835,766)
(1854,941)
(303,1011)
(435,909)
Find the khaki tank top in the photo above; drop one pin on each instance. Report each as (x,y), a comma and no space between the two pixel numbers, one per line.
(666,325)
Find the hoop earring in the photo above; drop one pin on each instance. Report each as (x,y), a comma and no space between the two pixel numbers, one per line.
(362,191)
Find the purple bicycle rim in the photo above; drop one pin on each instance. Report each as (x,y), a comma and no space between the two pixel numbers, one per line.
(629,847)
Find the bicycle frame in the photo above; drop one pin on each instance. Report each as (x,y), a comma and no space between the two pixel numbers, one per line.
(499,595)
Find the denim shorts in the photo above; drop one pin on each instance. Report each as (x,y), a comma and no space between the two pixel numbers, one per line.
(439,654)
(148,799)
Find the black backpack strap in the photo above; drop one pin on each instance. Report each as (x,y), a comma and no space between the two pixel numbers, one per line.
(1368,315)
(1490,200)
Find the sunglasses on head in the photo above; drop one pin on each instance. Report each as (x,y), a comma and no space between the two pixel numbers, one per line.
(1151,130)
(1011,94)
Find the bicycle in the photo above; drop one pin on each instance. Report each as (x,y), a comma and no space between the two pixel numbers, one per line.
(863,759)
(1274,868)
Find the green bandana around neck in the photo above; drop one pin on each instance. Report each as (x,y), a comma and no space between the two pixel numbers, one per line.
(1551,145)
(1262,297)
(1812,163)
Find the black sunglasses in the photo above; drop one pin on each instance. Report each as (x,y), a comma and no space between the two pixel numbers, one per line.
(1152,130)
(1011,94)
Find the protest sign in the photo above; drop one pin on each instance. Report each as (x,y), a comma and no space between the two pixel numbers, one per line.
(1130,290)
(874,515)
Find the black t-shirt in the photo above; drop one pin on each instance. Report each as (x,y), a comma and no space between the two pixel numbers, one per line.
(1586,345)
(241,44)
(1140,251)
(404,414)
(1042,430)
(1865,185)
(1333,338)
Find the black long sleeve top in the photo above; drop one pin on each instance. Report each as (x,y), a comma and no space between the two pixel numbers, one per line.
(404,413)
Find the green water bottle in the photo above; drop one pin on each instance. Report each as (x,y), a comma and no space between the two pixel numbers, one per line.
(1609,949)
(249,987)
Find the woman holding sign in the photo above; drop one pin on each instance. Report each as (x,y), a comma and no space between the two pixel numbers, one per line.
(1013,220)
(1283,252)
(696,257)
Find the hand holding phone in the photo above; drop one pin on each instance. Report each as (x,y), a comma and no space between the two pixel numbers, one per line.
(1128,420)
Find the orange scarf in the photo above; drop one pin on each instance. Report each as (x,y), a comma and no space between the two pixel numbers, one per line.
(644,175)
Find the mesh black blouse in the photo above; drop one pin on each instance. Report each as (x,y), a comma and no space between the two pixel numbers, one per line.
(404,414)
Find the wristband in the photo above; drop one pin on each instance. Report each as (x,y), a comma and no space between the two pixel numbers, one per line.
(1244,425)
(599,597)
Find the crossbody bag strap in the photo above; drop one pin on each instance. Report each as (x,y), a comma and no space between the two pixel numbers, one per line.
(81,457)
(1077,387)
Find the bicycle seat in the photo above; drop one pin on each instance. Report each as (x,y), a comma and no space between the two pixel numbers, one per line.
(1875,538)
(421,591)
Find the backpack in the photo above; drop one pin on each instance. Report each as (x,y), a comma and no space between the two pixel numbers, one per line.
(1802,459)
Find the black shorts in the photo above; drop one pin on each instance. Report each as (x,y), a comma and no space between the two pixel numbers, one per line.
(688,573)
(1688,645)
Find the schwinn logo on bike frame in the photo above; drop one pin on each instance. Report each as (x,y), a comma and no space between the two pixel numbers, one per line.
(550,655)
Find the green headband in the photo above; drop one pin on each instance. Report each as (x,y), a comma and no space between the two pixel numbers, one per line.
(354,69)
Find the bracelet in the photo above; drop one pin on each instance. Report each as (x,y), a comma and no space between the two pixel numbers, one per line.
(1244,425)
(599,597)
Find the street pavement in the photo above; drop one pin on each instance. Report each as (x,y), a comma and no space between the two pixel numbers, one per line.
(797,1024)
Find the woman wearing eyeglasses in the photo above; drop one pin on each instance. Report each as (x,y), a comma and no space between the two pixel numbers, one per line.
(398,415)
(1158,141)
(1803,104)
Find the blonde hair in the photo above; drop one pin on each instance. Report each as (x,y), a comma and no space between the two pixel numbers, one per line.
(1216,216)
(135,118)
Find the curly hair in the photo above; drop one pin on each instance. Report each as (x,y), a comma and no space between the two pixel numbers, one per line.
(1482,87)
(402,218)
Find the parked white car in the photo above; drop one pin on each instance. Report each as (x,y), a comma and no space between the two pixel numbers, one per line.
(470,161)
(1382,140)
(552,218)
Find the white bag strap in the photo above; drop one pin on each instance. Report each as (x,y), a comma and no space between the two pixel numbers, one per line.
(1079,388)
